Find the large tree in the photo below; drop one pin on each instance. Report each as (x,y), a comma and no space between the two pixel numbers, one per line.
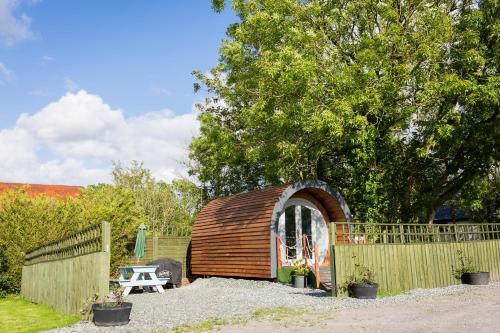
(165,205)
(394,102)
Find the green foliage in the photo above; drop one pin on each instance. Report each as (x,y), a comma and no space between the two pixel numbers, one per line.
(218,5)
(480,198)
(165,205)
(8,285)
(117,206)
(27,222)
(396,104)
(114,299)
(207,325)
(465,265)
(300,267)
(3,261)
(361,275)
(278,314)
(30,222)
(285,275)
(20,316)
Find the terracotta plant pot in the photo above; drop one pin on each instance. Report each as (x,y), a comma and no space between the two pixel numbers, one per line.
(300,281)
(476,278)
(112,315)
(363,290)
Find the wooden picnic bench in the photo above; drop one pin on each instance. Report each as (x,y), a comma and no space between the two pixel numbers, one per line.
(139,278)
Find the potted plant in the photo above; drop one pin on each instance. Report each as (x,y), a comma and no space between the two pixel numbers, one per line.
(112,310)
(361,284)
(300,271)
(468,273)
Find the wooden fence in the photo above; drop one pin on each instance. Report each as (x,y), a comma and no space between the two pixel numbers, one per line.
(63,274)
(408,256)
(167,246)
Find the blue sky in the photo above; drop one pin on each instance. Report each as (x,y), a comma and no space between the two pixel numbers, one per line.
(99,59)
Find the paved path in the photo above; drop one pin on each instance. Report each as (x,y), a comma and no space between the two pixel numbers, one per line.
(477,310)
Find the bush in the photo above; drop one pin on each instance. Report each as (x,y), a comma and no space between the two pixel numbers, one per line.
(465,265)
(118,207)
(3,261)
(8,285)
(30,222)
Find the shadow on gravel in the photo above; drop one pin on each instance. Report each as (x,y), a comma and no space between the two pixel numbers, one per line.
(315,293)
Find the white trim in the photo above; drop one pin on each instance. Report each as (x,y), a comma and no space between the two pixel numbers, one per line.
(299,202)
(317,219)
(287,193)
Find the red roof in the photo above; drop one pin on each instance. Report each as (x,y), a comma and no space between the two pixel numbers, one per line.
(54,191)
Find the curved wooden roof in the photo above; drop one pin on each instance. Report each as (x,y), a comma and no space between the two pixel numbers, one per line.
(234,235)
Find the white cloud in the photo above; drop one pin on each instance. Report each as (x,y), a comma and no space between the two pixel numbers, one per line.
(83,135)
(6,75)
(46,60)
(13,28)
(70,85)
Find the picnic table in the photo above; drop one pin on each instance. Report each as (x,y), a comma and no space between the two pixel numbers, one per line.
(138,278)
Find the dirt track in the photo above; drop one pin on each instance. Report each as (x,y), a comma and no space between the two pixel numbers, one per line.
(474,311)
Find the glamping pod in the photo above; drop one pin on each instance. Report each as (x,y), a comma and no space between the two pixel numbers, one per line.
(252,234)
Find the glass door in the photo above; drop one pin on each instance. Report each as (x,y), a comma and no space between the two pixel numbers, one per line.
(298,229)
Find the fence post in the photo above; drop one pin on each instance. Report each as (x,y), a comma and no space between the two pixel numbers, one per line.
(333,240)
(155,246)
(106,237)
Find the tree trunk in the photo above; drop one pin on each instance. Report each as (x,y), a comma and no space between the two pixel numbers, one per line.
(431,214)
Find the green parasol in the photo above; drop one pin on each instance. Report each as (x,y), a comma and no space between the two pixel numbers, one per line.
(139,242)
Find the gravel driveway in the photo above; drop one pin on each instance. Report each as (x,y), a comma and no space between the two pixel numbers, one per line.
(227,298)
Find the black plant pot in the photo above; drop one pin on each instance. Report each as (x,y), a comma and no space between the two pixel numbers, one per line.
(477,278)
(363,290)
(112,316)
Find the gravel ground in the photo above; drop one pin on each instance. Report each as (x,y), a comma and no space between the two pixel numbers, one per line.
(227,298)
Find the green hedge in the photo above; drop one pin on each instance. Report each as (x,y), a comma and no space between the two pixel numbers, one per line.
(29,222)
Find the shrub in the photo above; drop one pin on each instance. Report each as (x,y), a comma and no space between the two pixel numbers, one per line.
(3,261)
(8,285)
(361,275)
(465,265)
(300,267)
(30,222)
(117,206)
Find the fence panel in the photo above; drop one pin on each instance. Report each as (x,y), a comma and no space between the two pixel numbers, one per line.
(64,273)
(409,257)
(174,247)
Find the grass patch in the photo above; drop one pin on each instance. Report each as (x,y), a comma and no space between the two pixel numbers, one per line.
(262,314)
(208,325)
(277,314)
(20,316)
